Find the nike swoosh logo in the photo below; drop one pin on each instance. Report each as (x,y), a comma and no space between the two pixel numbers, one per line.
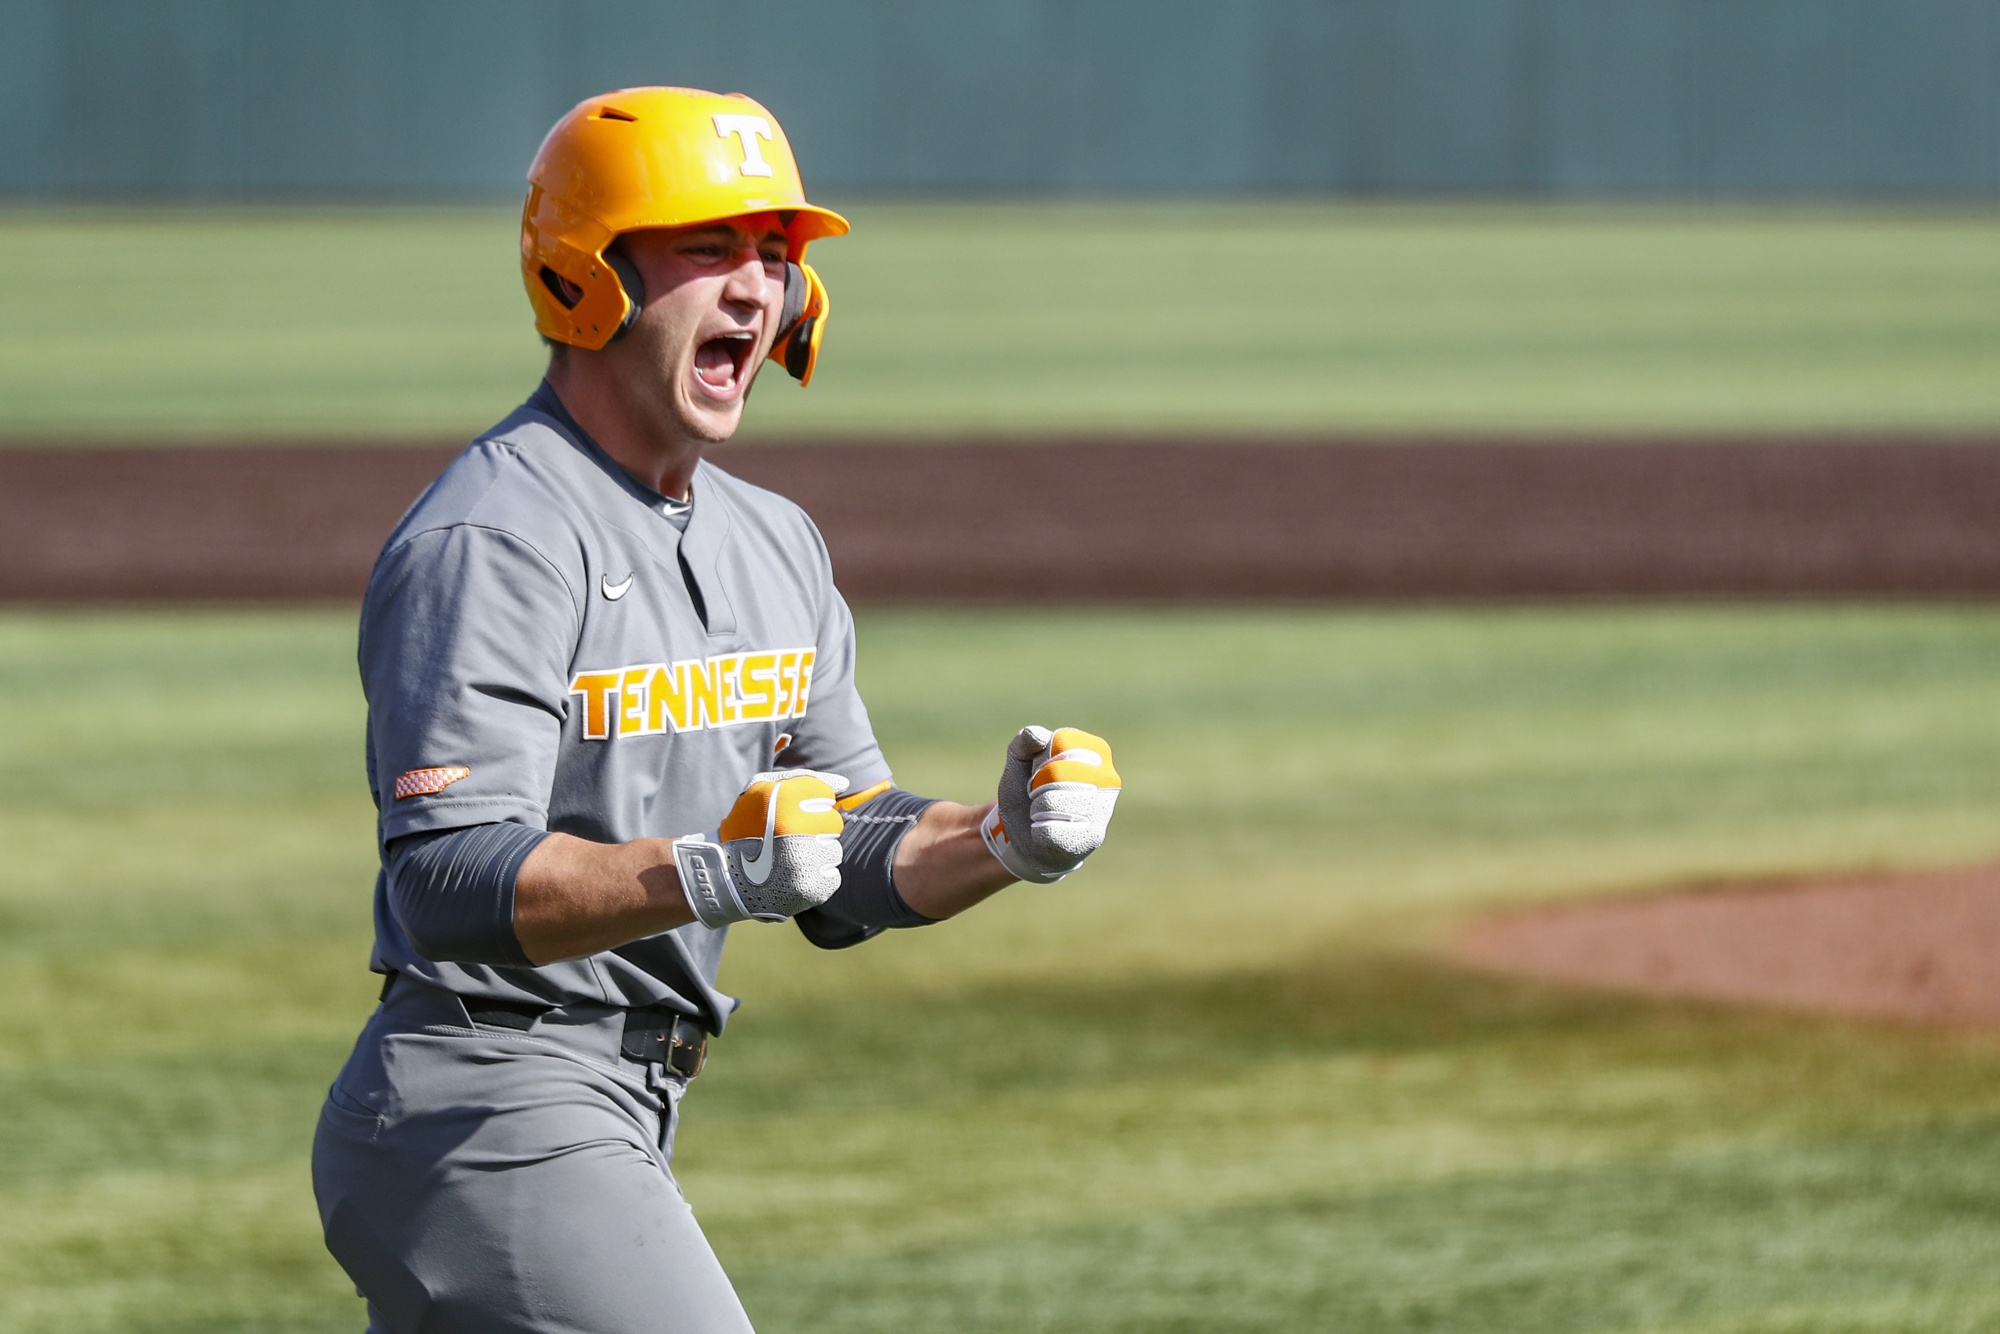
(758,869)
(612,592)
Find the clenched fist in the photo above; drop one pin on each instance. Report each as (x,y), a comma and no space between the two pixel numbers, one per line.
(776,855)
(1057,791)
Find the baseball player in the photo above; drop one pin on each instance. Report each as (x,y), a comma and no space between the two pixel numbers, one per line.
(611,712)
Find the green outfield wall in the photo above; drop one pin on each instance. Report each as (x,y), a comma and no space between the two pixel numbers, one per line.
(427,98)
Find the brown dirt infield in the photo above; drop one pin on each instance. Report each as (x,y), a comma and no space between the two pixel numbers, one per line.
(1092,520)
(1916,947)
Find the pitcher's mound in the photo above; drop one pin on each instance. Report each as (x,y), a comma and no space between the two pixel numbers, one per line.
(1922,947)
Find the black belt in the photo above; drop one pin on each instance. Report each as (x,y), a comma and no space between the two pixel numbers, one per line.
(667,1037)
(654,1037)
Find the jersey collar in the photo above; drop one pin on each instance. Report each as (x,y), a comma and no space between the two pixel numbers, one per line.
(699,548)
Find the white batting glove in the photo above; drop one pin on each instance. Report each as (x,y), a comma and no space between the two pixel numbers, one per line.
(1056,795)
(776,855)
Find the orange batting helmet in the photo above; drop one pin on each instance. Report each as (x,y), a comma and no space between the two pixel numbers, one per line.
(661,157)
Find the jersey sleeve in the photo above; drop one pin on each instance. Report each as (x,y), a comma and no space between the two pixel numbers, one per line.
(835,735)
(466,637)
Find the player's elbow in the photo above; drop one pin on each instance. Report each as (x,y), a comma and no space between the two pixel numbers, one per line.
(829,931)
(442,943)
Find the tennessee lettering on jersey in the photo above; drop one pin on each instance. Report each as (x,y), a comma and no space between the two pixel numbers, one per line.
(649,698)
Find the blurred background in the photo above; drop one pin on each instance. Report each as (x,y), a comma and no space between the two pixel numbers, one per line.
(1541,453)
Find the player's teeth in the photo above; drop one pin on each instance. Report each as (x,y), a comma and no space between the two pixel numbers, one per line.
(715,363)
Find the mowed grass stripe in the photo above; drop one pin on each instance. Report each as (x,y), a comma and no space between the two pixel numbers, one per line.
(1834,1236)
(1215,1081)
(1357,1075)
(1005,319)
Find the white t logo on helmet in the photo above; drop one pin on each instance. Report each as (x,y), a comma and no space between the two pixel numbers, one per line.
(748,130)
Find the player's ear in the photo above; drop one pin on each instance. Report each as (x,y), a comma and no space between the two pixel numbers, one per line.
(629,279)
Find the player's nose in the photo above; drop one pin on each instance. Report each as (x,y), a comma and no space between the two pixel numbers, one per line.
(748,284)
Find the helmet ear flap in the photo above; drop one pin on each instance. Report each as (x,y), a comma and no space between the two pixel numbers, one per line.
(628,279)
(801,322)
(796,287)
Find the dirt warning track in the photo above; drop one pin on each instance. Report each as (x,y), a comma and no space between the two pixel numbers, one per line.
(1087,520)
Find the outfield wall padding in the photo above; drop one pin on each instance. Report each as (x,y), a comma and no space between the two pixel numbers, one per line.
(1103,520)
(441,98)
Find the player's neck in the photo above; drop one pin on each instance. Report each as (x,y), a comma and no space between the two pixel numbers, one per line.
(660,454)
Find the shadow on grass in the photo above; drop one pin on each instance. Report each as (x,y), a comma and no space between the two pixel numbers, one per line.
(1780,1164)
(1381,1004)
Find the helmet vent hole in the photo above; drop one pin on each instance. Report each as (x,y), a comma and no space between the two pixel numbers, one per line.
(561,288)
(613,113)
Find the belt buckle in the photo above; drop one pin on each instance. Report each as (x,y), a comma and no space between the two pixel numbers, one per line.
(685,1067)
(682,1056)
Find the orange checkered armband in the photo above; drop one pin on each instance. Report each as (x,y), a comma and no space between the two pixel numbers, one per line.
(424,782)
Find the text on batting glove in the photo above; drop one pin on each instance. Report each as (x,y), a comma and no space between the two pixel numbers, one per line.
(776,855)
(1057,792)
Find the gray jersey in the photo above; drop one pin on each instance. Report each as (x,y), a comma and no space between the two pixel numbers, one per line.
(541,644)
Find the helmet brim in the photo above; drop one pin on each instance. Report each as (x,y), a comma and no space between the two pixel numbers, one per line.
(814,223)
(803,223)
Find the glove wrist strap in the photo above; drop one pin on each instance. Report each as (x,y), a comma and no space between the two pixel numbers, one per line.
(994,831)
(706,881)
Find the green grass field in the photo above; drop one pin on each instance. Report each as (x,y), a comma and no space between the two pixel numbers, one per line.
(1218,1082)
(1003,319)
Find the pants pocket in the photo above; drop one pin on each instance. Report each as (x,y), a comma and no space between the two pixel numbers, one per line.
(347,1115)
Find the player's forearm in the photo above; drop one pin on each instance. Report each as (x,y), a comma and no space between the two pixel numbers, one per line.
(942,866)
(574,898)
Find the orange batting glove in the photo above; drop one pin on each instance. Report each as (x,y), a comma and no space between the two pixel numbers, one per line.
(776,855)
(1057,791)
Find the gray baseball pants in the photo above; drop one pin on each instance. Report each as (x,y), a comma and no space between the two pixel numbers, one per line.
(477,1180)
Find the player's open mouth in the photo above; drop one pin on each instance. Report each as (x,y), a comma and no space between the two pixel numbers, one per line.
(722,363)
